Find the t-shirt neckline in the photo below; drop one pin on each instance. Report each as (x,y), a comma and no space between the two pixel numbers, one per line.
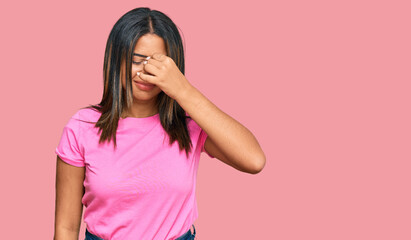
(138,123)
(141,120)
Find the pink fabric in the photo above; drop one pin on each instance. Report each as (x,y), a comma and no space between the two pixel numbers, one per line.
(143,190)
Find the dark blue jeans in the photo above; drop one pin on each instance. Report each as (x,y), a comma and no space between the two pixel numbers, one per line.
(186,236)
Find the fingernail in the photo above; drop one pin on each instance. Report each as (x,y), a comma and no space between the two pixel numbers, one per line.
(148,57)
(145,62)
(138,73)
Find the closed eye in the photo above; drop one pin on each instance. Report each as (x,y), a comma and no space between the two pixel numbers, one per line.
(138,63)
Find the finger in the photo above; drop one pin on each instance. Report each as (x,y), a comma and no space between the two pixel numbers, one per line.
(146,77)
(158,56)
(155,62)
(151,69)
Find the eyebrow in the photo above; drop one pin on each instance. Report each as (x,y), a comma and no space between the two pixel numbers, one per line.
(140,55)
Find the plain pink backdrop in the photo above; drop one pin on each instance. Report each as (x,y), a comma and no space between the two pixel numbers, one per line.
(323,85)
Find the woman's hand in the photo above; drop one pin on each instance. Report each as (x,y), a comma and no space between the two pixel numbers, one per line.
(165,74)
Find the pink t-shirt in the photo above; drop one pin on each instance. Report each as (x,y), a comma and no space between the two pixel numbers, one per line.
(143,190)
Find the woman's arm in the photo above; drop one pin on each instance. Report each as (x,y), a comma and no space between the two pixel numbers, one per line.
(227,140)
(69,192)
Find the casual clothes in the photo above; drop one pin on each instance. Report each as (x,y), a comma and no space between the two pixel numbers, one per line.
(145,189)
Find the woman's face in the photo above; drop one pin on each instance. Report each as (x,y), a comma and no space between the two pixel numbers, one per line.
(146,45)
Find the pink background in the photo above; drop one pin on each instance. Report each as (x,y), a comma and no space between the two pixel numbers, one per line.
(323,85)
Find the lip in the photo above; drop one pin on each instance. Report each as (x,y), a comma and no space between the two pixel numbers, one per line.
(144,86)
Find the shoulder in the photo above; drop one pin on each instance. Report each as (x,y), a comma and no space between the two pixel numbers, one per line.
(87,114)
(192,125)
(83,117)
(199,135)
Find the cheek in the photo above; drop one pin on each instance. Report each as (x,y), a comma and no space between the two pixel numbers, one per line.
(135,68)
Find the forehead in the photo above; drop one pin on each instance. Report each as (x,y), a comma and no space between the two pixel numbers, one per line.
(149,44)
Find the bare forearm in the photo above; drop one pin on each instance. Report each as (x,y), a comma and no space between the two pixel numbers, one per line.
(232,138)
(65,234)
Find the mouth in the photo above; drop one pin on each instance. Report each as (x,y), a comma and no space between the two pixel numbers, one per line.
(144,83)
(144,86)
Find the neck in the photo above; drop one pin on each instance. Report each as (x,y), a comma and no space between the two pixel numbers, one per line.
(140,110)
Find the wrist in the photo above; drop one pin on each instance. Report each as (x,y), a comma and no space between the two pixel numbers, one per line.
(185,93)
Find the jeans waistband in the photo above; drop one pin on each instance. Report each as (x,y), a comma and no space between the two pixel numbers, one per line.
(186,236)
(90,236)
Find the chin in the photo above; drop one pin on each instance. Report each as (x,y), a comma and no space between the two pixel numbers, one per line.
(145,96)
(140,97)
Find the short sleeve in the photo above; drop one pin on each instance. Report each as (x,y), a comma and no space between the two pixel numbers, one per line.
(203,137)
(68,148)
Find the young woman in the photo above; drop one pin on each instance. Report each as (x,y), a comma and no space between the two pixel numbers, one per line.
(132,159)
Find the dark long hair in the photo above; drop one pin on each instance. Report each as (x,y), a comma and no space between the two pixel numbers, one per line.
(120,45)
